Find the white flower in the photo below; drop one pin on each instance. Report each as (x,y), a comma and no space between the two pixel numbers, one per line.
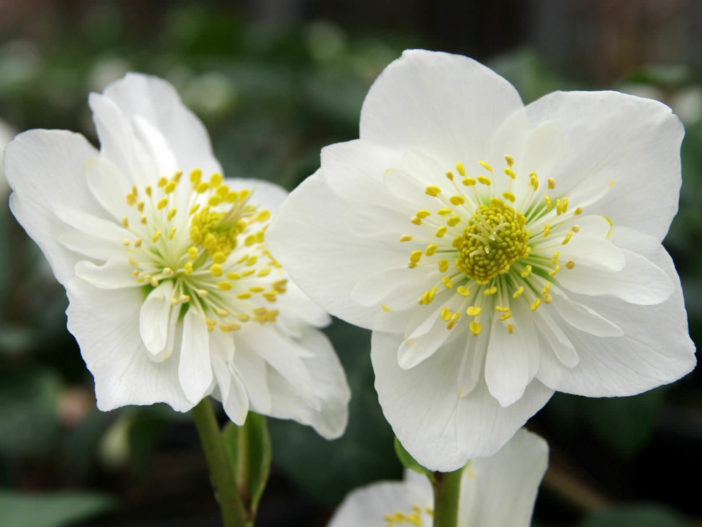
(497,491)
(173,294)
(499,252)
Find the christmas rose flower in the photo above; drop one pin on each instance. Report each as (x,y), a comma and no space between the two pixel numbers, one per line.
(498,251)
(497,491)
(173,293)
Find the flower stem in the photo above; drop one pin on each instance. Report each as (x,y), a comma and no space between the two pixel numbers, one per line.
(233,511)
(447,488)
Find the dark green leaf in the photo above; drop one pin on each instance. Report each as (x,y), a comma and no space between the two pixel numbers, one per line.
(639,515)
(51,510)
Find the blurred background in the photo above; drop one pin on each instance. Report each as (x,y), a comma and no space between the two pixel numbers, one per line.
(274,81)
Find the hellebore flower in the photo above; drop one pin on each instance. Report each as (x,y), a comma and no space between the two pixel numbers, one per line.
(173,293)
(497,491)
(498,252)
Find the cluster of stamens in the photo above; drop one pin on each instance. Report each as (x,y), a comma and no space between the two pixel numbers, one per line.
(413,518)
(489,254)
(207,239)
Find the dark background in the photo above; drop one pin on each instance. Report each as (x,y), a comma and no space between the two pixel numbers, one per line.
(274,81)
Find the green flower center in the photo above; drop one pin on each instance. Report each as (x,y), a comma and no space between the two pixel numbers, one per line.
(493,239)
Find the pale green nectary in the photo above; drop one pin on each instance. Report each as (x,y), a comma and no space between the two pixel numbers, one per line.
(498,251)
(173,293)
(496,491)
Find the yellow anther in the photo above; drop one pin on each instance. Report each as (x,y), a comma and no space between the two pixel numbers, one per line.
(440,231)
(509,196)
(578,211)
(518,292)
(188,268)
(443,265)
(171,213)
(415,255)
(449,175)
(485,166)
(125,222)
(248,272)
(510,173)
(447,282)
(224,286)
(171,233)
(611,227)
(554,260)
(213,201)
(535,305)
(570,264)
(201,187)
(475,328)
(147,189)
(463,291)
(242,317)
(490,291)
(416,220)
(131,199)
(575,228)
(257,289)
(547,286)
(551,183)
(243,296)
(192,253)
(162,181)
(170,187)
(216,270)
(423,213)
(553,271)
(215,179)
(195,175)
(547,298)
(233,276)
(202,292)
(135,273)
(473,311)
(431,249)
(453,221)
(264,272)
(510,160)
(132,261)
(432,190)
(251,261)
(405,238)
(451,323)
(547,230)
(193,209)
(567,238)
(457,200)
(549,203)
(219,257)
(446,314)
(526,271)
(506,316)
(484,180)
(125,242)
(156,236)
(469,181)
(444,211)
(502,309)
(140,206)
(510,328)
(264,215)
(534,180)
(461,169)
(162,203)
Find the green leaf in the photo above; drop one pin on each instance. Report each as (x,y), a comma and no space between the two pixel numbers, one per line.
(51,510)
(248,449)
(409,462)
(639,515)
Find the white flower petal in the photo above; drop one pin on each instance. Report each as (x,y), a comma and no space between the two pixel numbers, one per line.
(45,168)
(267,194)
(472,363)
(368,506)
(90,224)
(423,341)
(156,101)
(87,245)
(230,387)
(507,369)
(108,186)
(432,421)
(320,262)
(582,317)
(555,338)
(613,136)
(106,326)
(154,318)
(500,491)
(441,103)
(639,282)
(594,253)
(194,368)
(654,348)
(115,273)
(253,372)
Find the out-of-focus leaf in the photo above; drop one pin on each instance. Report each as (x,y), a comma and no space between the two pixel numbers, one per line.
(51,510)
(29,422)
(82,442)
(328,470)
(640,515)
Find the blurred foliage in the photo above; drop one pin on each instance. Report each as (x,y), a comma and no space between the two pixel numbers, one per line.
(271,97)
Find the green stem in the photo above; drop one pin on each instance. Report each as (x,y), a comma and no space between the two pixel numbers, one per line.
(447,488)
(233,511)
